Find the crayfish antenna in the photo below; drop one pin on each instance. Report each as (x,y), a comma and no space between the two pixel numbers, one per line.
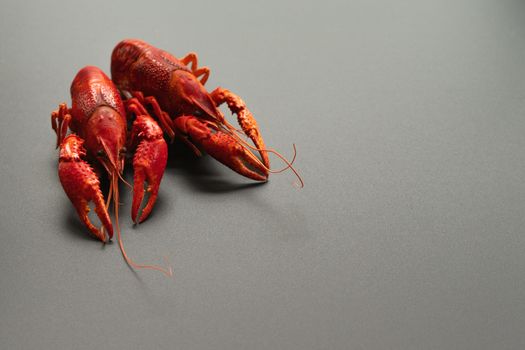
(114,188)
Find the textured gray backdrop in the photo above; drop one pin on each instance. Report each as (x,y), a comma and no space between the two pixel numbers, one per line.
(409,118)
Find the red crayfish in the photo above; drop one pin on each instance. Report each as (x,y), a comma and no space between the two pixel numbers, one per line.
(99,139)
(185,109)
(171,89)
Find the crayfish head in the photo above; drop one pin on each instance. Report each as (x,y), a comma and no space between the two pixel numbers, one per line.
(105,136)
(189,97)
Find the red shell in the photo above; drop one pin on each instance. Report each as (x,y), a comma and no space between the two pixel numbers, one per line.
(138,66)
(91,89)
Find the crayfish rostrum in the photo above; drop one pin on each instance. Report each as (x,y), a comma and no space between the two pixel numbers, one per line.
(153,83)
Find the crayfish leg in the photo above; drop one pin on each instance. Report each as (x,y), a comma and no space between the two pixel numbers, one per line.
(137,103)
(60,120)
(192,60)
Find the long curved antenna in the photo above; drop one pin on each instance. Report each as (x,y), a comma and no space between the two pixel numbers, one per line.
(114,187)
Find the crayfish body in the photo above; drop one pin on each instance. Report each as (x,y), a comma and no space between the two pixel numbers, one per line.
(98,141)
(184,107)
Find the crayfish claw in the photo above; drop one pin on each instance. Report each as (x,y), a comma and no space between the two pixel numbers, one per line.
(83,210)
(244,117)
(149,163)
(138,196)
(81,185)
(223,147)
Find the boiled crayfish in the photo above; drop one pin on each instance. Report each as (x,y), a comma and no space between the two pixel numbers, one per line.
(186,110)
(99,140)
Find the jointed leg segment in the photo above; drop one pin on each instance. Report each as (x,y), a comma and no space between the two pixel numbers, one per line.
(60,120)
(164,119)
(191,59)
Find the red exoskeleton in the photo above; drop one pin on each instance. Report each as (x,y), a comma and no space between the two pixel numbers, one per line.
(98,142)
(174,89)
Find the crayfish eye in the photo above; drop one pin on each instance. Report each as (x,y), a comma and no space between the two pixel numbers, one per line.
(123,150)
(101,153)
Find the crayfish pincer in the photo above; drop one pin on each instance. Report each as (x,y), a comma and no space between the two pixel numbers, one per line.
(98,140)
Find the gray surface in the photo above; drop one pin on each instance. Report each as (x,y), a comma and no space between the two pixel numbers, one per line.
(409,122)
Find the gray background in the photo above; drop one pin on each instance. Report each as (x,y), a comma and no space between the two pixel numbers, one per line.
(409,122)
